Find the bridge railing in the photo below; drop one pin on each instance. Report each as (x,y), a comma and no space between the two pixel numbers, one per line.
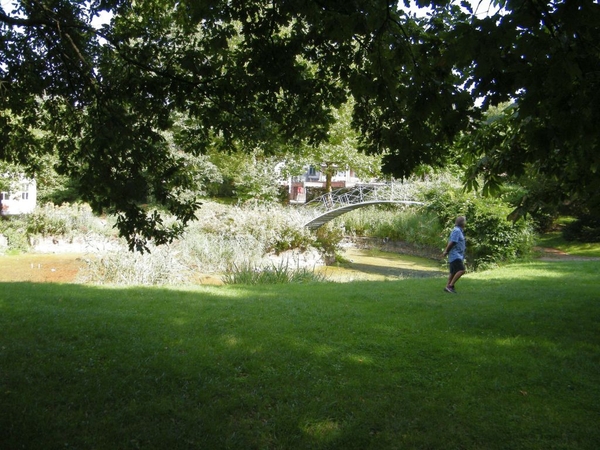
(362,193)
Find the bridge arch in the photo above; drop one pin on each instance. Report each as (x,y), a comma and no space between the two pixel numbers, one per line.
(329,206)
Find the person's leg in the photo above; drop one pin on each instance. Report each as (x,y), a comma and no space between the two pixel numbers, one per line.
(449,287)
(456,277)
(450,277)
(458,267)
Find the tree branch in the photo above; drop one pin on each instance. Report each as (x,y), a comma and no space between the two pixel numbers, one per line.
(19,22)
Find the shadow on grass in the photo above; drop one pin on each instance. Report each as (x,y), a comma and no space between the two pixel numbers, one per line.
(352,366)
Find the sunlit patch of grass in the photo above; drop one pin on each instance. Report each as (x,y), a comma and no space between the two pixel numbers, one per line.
(375,265)
(552,271)
(573,248)
(360,358)
(323,431)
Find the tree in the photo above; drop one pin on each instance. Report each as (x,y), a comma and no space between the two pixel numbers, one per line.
(340,150)
(247,177)
(543,57)
(541,193)
(105,96)
(264,73)
(10,177)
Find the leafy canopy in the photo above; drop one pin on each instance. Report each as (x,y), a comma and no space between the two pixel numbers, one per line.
(266,74)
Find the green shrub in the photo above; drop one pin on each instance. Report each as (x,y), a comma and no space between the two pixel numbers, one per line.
(67,219)
(491,237)
(328,240)
(584,229)
(291,237)
(44,224)
(398,223)
(52,220)
(14,229)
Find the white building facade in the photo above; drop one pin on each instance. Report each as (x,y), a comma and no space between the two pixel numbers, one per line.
(21,200)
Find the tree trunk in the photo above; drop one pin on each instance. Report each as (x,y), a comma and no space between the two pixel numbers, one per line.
(328,177)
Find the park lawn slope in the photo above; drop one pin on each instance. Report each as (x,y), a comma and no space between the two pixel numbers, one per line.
(573,248)
(512,361)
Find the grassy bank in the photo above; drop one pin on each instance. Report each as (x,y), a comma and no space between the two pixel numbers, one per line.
(513,361)
(572,248)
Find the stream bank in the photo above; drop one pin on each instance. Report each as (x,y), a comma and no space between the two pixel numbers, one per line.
(367,259)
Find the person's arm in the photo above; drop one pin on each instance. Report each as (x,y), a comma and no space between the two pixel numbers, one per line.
(449,247)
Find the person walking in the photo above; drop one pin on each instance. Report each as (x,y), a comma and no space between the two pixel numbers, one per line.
(455,250)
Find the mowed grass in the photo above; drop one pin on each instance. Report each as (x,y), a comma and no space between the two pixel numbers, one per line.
(511,362)
(573,248)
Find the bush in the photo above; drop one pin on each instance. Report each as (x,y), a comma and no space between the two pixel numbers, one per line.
(491,237)
(398,223)
(291,237)
(14,229)
(328,240)
(44,224)
(584,229)
(66,219)
(50,220)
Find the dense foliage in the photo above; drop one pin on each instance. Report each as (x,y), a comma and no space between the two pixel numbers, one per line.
(584,229)
(543,56)
(281,274)
(266,74)
(491,238)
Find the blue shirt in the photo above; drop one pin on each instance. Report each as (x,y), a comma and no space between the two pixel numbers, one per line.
(458,250)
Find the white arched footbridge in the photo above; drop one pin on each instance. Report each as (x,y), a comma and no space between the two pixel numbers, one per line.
(329,206)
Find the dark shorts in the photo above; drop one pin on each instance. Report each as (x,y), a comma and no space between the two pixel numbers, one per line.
(456,266)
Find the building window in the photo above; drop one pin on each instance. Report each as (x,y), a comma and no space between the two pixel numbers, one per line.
(4,196)
(24,195)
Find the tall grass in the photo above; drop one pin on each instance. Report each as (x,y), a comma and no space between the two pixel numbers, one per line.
(222,237)
(162,267)
(274,274)
(399,223)
(67,222)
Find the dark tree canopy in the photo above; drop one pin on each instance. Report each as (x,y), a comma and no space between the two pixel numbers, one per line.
(545,58)
(264,73)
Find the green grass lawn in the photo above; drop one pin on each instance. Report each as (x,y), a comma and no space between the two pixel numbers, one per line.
(511,362)
(573,248)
